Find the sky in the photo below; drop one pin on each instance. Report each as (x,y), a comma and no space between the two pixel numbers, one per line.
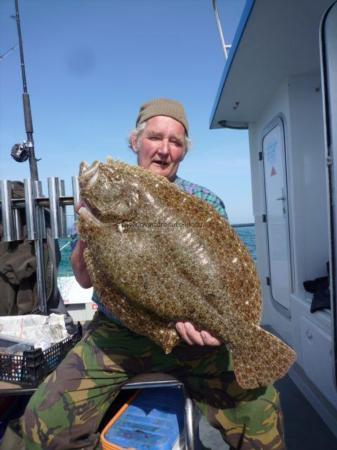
(90,64)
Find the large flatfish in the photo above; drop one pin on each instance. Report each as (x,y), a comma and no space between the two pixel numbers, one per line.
(157,255)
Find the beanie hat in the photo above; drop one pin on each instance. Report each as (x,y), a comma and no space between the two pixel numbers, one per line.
(163,107)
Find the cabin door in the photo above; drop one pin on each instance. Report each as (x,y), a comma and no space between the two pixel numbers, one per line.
(329,83)
(274,162)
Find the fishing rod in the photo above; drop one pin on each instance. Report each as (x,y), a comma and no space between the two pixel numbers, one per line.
(33,189)
(24,151)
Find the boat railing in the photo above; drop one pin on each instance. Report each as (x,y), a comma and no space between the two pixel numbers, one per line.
(243,225)
(225,46)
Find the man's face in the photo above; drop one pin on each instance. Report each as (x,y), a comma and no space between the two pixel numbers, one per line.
(161,146)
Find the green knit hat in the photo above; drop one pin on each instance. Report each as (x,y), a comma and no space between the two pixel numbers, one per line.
(163,107)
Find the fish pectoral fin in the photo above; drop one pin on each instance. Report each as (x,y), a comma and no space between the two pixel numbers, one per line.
(267,360)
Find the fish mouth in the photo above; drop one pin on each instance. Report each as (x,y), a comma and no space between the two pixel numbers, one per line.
(85,208)
(88,173)
(86,214)
(87,177)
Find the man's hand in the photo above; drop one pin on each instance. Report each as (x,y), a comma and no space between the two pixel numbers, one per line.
(189,334)
(79,267)
(77,260)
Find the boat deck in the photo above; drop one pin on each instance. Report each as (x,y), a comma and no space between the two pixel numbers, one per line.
(304,428)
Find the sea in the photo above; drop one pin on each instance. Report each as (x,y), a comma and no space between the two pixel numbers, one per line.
(245,231)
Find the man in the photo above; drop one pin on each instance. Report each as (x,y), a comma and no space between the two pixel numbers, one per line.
(66,410)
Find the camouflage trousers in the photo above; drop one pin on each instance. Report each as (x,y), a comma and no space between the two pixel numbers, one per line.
(66,410)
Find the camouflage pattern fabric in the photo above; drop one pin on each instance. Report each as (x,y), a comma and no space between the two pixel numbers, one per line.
(66,410)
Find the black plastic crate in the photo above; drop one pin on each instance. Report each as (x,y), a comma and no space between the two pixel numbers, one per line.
(33,365)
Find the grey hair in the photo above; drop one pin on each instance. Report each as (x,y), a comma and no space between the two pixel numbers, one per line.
(141,127)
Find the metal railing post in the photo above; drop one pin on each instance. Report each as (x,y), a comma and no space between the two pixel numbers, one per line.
(39,250)
(225,46)
(6,211)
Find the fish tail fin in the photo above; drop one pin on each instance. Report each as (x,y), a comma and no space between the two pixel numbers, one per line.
(267,360)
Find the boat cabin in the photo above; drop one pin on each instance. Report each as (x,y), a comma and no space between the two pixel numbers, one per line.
(280,83)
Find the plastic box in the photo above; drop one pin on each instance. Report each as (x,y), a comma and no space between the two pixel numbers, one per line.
(33,365)
(153,419)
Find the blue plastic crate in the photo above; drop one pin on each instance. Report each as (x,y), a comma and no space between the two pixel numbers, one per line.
(154,420)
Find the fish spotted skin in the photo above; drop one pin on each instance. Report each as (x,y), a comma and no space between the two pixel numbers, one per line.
(157,255)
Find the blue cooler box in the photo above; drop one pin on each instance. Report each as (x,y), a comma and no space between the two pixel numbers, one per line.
(152,420)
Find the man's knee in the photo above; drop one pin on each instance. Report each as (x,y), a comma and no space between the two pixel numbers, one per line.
(255,422)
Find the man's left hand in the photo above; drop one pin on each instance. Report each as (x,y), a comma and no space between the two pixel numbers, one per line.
(191,336)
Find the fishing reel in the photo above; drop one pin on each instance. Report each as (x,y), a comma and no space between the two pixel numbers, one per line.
(21,152)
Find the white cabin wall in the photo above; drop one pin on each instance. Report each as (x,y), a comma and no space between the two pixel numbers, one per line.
(309,206)
(309,222)
(298,102)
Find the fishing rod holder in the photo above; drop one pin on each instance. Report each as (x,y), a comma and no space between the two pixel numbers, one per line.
(34,204)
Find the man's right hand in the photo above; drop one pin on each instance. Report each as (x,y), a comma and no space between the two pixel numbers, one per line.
(192,336)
